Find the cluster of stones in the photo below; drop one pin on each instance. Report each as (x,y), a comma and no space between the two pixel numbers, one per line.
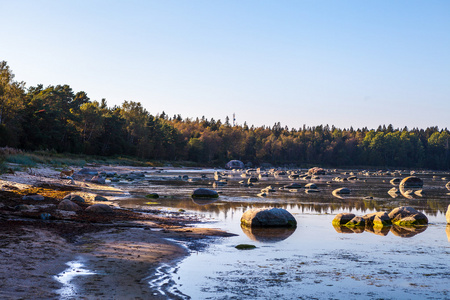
(401,216)
(69,203)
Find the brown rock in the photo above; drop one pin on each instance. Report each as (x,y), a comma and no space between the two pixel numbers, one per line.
(100,208)
(69,206)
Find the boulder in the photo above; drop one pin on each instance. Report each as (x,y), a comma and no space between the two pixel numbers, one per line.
(98,179)
(311,186)
(87,171)
(378,219)
(204,193)
(356,221)
(268,217)
(407,216)
(312,191)
(448,185)
(75,198)
(152,196)
(100,198)
(252,179)
(342,219)
(411,182)
(342,191)
(34,197)
(69,206)
(100,208)
(293,186)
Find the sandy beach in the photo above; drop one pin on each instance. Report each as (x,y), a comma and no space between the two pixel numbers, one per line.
(120,251)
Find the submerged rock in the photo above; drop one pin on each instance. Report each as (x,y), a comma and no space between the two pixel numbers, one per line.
(268,217)
(152,196)
(245,247)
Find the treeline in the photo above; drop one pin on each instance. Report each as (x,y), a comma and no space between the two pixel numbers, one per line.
(56,118)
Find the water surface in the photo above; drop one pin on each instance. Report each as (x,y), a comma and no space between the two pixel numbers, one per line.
(315,260)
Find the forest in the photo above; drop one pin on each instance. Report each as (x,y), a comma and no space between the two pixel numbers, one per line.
(56,118)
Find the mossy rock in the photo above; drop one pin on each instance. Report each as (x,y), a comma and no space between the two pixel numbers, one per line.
(245,247)
(410,221)
(356,222)
(342,219)
(152,196)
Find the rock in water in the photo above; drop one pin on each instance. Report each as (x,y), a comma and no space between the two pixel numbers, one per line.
(342,191)
(407,216)
(411,182)
(204,193)
(342,219)
(268,217)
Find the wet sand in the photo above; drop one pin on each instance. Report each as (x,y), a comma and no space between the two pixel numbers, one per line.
(121,251)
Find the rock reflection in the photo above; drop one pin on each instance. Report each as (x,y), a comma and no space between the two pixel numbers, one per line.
(267,235)
(400,231)
(383,231)
(410,231)
(447,231)
(204,201)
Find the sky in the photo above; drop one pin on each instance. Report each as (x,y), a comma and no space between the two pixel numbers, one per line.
(312,62)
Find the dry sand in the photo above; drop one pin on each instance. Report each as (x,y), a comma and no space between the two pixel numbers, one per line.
(121,253)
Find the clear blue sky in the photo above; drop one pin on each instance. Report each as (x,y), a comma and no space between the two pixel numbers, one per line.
(343,63)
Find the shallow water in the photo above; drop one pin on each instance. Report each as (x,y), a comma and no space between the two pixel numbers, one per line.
(314,260)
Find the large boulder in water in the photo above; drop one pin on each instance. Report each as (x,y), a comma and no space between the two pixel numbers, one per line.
(342,219)
(268,217)
(204,193)
(411,182)
(407,216)
(448,185)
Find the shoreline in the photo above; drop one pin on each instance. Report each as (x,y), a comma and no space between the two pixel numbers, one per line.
(123,251)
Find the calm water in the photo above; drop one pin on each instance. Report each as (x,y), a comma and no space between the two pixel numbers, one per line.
(315,260)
